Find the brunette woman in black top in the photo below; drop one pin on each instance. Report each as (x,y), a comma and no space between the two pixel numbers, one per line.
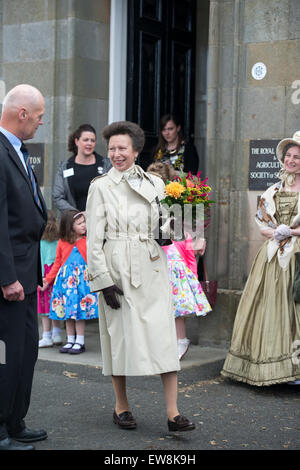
(172,147)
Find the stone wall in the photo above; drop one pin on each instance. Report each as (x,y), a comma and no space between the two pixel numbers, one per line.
(62,48)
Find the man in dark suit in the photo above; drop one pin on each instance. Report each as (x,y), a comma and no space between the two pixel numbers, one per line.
(23,217)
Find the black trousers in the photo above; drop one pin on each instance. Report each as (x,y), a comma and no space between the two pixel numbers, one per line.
(19,351)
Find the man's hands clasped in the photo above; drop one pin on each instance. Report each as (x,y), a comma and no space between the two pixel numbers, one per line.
(13,292)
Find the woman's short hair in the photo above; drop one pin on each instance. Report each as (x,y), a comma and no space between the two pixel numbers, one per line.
(126,128)
(72,147)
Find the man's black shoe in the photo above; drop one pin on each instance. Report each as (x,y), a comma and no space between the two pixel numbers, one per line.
(30,435)
(9,444)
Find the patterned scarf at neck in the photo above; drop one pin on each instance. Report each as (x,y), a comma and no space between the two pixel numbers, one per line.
(133,177)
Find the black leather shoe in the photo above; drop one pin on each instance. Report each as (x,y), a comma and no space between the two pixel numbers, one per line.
(180,423)
(30,435)
(79,350)
(9,444)
(125,420)
(66,349)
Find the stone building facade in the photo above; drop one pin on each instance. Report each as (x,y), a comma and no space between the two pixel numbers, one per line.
(64,47)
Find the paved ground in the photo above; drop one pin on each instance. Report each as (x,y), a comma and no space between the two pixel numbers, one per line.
(74,403)
(196,355)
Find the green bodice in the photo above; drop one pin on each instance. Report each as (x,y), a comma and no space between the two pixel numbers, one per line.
(286,207)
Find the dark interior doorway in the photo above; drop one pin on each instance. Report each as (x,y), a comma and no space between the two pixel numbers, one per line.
(161,66)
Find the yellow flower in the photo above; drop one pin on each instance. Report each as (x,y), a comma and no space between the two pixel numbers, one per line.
(60,311)
(174,189)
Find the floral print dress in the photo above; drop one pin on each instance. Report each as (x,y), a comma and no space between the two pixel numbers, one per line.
(71,297)
(188,296)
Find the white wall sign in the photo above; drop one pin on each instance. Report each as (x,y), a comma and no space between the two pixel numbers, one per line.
(259,71)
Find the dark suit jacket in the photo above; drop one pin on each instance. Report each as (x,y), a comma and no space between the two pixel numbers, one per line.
(21,223)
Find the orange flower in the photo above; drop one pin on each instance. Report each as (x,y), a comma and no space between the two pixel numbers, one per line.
(174,189)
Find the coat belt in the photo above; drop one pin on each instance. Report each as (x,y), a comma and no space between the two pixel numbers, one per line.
(135,268)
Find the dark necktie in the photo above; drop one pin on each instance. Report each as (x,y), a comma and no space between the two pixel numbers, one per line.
(31,175)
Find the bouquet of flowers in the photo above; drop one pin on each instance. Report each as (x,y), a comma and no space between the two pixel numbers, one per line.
(190,195)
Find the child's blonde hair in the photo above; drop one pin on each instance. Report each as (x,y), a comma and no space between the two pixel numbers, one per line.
(51,232)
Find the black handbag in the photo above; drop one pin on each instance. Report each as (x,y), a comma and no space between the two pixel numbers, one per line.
(296,285)
(210,288)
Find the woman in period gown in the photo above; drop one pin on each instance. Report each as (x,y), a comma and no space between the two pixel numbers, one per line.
(266,330)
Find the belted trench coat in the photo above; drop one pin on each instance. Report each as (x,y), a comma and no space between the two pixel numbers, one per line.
(139,338)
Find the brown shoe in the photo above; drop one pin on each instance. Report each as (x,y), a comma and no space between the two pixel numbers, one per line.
(125,420)
(180,423)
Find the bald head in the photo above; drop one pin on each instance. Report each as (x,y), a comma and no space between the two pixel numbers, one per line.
(22,111)
(21,96)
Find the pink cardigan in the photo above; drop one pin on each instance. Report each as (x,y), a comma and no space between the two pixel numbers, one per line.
(186,250)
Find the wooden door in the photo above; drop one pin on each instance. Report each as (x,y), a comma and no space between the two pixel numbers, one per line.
(160,66)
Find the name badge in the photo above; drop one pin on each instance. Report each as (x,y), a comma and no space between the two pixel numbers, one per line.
(68,172)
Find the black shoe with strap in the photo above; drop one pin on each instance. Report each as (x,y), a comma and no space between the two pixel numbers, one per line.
(79,350)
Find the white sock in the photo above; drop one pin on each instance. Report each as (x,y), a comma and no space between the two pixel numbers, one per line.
(70,339)
(183,340)
(56,331)
(80,341)
(47,334)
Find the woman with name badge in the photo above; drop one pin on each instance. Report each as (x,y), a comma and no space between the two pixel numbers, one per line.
(74,175)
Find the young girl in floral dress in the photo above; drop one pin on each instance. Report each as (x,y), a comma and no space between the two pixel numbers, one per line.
(51,328)
(188,296)
(71,298)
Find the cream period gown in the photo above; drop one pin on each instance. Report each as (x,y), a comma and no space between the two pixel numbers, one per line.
(267,323)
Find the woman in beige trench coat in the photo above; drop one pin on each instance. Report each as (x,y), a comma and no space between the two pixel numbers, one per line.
(137,329)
